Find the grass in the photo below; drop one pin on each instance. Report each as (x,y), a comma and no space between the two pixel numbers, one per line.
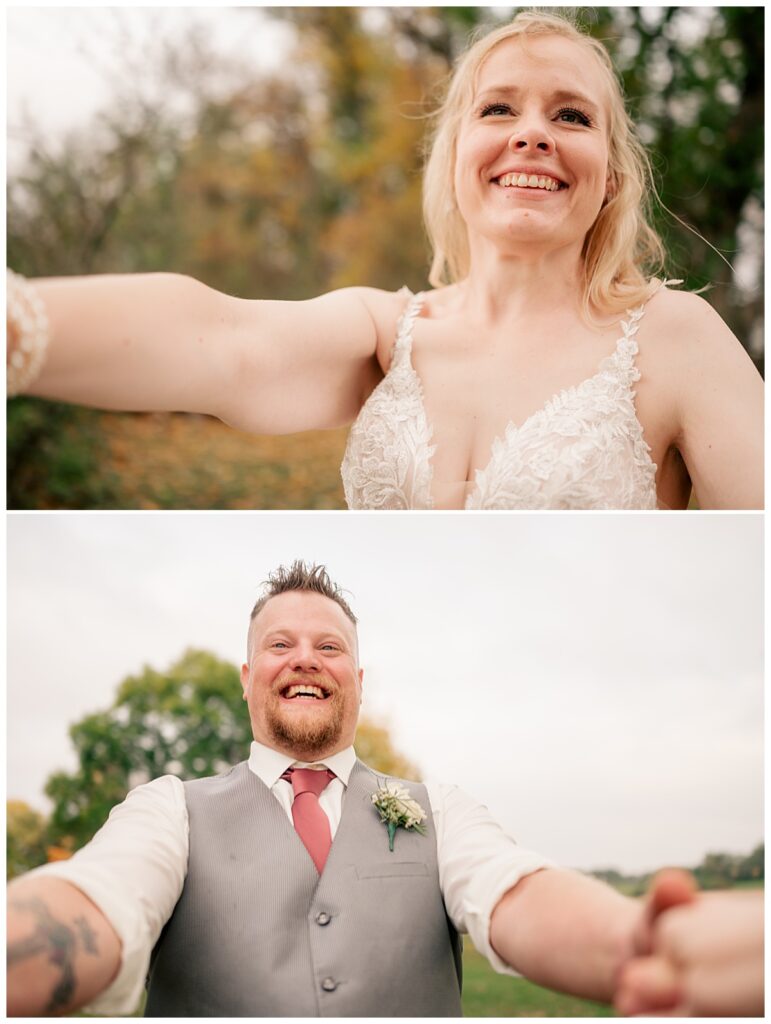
(87,459)
(487,994)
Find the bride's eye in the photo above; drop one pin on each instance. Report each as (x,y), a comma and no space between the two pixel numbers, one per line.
(494,108)
(572,116)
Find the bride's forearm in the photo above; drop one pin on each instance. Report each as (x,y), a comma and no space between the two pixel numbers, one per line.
(137,342)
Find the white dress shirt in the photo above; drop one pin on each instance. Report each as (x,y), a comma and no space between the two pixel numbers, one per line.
(134,868)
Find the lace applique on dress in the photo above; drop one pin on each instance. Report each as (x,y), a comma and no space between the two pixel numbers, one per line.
(583,450)
(387,463)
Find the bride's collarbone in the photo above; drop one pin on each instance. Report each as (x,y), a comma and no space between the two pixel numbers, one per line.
(455,341)
(489,381)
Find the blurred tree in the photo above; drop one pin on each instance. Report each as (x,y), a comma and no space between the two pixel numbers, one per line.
(694,78)
(716,871)
(26,838)
(754,866)
(375,747)
(189,721)
(721,870)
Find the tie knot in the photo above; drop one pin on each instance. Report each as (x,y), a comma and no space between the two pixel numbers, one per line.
(308,780)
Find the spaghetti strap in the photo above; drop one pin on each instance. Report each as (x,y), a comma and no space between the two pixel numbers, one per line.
(403,344)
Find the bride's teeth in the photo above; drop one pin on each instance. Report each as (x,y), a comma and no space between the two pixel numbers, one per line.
(529,181)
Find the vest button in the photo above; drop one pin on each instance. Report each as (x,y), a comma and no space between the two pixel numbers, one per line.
(323,918)
(329,984)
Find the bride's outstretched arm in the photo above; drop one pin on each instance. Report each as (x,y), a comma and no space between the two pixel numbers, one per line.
(699,954)
(154,342)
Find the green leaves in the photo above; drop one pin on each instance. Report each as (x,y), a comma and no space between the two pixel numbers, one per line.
(188,721)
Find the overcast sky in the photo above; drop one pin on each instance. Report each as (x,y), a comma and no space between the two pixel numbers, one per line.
(60,59)
(596,680)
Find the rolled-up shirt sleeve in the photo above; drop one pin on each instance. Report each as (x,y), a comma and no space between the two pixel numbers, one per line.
(133,870)
(478,863)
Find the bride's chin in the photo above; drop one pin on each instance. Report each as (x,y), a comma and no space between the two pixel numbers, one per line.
(528,226)
(527,234)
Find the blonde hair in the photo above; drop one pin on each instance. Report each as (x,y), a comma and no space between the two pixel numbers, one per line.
(621,251)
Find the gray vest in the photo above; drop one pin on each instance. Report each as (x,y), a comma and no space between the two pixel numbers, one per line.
(257,933)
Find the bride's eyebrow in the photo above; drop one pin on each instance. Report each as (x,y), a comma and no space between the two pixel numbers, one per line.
(557,96)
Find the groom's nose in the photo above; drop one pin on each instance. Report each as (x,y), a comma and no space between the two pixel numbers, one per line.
(305,658)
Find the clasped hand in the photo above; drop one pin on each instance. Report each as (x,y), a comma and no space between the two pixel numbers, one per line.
(695,954)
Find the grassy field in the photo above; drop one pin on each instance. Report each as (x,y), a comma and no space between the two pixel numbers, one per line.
(487,994)
(163,461)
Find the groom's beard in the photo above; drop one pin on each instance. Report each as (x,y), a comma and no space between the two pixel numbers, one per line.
(313,733)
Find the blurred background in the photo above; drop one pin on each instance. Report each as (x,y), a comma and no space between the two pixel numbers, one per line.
(597,681)
(276,152)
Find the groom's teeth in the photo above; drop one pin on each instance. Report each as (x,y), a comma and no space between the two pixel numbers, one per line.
(305,691)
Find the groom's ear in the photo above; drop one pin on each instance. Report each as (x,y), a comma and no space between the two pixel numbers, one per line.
(361,683)
(244,678)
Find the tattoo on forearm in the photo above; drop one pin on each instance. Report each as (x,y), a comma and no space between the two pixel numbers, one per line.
(87,935)
(59,941)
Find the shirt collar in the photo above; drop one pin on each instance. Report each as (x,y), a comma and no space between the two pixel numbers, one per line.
(269,764)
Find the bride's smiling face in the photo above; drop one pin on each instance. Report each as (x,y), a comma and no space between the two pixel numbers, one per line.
(532,151)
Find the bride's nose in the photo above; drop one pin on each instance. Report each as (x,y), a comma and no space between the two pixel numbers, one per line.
(532,137)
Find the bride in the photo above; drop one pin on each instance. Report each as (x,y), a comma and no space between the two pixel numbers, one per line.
(546,370)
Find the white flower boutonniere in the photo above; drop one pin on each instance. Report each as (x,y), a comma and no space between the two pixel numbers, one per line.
(397,809)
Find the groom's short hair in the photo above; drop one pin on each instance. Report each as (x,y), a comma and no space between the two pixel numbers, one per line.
(299,576)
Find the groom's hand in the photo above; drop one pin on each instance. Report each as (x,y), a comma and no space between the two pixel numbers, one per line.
(696,954)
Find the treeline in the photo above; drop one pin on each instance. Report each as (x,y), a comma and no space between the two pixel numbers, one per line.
(716,871)
(286,186)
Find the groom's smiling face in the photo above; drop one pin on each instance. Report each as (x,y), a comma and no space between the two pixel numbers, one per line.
(303,681)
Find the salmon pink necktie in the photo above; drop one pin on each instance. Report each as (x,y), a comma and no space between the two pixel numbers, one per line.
(310,821)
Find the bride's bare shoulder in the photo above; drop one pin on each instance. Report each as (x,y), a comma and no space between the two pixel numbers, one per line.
(680,323)
(678,310)
(386,309)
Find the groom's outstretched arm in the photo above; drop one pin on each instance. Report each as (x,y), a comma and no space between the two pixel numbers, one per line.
(566,931)
(62,951)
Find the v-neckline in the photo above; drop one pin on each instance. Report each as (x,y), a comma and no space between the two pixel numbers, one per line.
(405,341)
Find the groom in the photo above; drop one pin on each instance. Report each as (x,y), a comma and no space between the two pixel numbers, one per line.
(271,889)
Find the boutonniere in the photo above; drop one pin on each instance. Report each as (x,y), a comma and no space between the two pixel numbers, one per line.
(397,809)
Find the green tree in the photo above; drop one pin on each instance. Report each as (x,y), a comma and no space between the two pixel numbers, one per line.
(189,720)
(753,867)
(26,838)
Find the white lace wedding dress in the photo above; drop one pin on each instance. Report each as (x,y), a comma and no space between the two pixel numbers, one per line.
(583,450)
